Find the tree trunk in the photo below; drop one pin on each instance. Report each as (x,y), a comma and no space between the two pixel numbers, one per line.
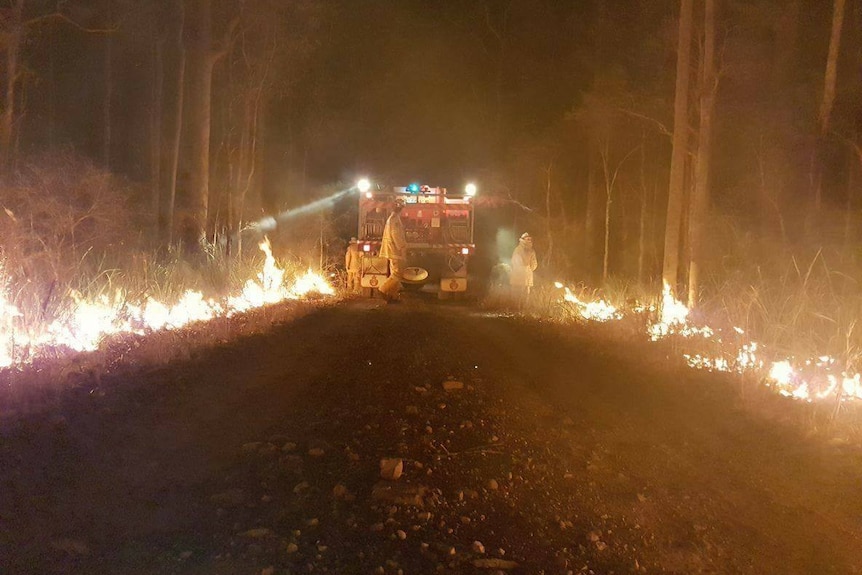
(643,213)
(549,248)
(52,93)
(13,52)
(849,207)
(170,221)
(607,220)
(700,197)
(831,68)
(109,93)
(593,216)
(156,99)
(670,269)
(610,184)
(198,115)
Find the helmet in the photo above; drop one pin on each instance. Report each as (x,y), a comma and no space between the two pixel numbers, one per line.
(526,236)
(399,202)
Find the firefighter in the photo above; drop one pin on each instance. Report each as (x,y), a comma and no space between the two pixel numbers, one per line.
(524,263)
(352,265)
(394,248)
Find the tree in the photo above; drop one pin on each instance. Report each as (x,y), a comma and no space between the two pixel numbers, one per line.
(15,27)
(157,97)
(177,127)
(610,179)
(828,100)
(14,33)
(679,151)
(700,197)
(202,57)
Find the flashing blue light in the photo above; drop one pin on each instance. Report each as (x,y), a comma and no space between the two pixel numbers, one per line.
(413,188)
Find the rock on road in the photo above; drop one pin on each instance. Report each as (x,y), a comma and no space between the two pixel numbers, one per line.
(419,438)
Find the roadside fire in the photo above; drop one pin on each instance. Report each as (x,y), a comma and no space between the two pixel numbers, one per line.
(88,322)
(594,310)
(809,380)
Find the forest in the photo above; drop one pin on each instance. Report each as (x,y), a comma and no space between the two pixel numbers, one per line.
(712,146)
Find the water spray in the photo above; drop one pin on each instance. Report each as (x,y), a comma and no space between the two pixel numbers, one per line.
(269,223)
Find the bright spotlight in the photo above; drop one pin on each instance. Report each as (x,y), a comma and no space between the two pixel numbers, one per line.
(363,185)
(470,189)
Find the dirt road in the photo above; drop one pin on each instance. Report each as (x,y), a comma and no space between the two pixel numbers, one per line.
(560,453)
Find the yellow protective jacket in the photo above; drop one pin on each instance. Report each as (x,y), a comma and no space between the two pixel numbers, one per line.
(351,258)
(524,263)
(394,246)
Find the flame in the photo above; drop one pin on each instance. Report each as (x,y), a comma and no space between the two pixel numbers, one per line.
(595,310)
(809,380)
(88,322)
(310,282)
(8,313)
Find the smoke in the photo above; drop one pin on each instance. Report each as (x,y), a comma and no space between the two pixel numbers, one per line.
(504,242)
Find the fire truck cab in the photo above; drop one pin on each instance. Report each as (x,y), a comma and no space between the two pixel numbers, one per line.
(439,229)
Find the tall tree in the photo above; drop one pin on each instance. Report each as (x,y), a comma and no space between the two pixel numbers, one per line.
(156,122)
(13,37)
(700,196)
(670,269)
(202,56)
(831,74)
(108,56)
(828,100)
(15,27)
(177,127)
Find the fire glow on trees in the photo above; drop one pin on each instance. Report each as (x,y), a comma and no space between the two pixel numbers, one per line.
(89,322)
(809,380)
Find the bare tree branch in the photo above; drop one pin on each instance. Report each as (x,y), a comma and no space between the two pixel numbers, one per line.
(661,127)
(64,18)
(227,41)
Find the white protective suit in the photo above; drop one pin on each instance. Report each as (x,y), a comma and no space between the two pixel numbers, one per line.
(393,248)
(524,263)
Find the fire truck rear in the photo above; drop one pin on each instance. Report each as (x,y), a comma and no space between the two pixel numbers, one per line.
(439,229)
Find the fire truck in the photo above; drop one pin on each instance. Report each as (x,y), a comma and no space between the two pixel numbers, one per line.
(439,229)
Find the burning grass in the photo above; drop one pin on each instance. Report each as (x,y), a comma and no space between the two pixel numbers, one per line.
(72,274)
(86,319)
(788,334)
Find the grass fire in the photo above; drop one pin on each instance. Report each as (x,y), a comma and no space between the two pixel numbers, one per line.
(499,286)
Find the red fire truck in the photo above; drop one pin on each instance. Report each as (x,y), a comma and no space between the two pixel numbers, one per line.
(439,229)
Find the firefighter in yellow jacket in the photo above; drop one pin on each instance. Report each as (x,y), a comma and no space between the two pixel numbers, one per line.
(394,248)
(352,265)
